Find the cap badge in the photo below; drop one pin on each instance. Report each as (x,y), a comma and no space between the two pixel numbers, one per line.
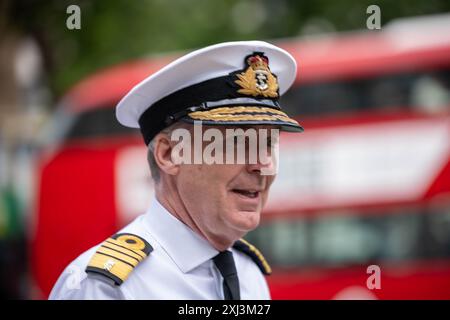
(257,80)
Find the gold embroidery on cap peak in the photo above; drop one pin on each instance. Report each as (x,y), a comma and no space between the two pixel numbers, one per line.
(241,114)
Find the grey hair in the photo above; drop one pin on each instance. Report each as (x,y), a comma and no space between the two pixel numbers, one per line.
(154,169)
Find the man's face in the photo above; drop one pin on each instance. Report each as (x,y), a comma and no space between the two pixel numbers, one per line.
(226,200)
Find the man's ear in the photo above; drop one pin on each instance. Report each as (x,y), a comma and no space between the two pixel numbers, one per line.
(163,155)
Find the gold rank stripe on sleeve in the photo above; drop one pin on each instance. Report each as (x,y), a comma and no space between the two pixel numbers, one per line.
(114,244)
(117,256)
(112,268)
(114,254)
(255,254)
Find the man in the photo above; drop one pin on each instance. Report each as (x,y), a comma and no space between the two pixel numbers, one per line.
(189,244)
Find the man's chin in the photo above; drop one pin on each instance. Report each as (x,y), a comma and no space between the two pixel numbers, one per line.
(248,220)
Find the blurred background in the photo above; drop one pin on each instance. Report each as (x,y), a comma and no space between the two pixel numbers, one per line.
(368,183)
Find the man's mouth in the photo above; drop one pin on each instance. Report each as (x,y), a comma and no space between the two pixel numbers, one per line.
(247,193)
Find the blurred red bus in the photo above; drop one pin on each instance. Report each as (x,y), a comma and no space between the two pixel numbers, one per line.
(367,183)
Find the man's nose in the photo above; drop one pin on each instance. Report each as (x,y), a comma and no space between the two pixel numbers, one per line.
(263,165)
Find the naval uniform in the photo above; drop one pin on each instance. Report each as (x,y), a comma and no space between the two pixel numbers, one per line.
(157,256)
(179,266)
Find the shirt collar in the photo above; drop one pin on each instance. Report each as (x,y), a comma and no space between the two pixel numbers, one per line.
(185,247)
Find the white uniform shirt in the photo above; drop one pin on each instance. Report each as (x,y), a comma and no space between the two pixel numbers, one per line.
(179,267)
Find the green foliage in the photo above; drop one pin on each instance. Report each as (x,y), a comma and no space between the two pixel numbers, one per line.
(115,31)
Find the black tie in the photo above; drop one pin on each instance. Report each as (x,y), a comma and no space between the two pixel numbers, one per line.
(225,263)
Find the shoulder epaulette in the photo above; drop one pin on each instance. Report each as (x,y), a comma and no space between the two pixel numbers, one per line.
(118,255)
(254,253)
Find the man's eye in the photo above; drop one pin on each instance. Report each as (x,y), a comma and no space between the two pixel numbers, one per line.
(271,143)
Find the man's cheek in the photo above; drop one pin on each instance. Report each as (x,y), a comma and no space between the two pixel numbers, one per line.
(270,181)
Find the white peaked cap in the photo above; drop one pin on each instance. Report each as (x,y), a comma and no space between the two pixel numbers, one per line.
(199,66)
